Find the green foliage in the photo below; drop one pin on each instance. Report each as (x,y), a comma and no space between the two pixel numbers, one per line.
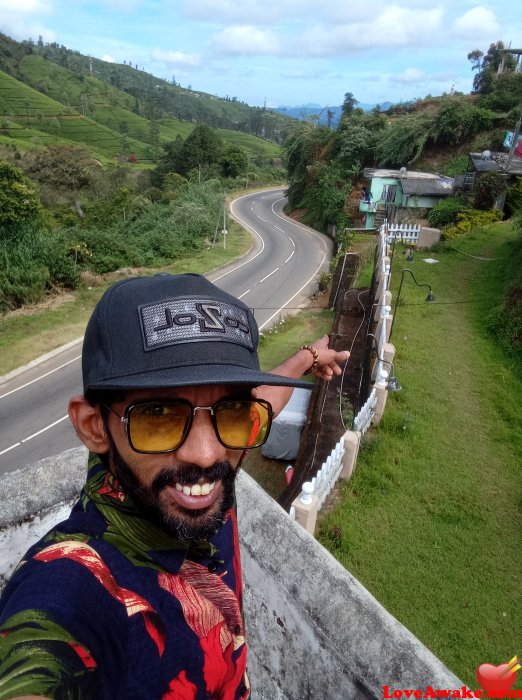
(459,121)
(31,262)
(456,166)
(505,320)
(506,93)
(233,162)
(488,189)
(19,201)
(514,198)
(352,146)
(403,141)
(325,197)
(203,147)
(488,64)
(305,145)
(446,212)
(469,220)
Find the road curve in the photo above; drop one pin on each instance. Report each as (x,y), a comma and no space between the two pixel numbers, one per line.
(275,277)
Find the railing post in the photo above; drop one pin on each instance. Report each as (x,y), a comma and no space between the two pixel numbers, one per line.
(306,506)
(382,396)
(352,439)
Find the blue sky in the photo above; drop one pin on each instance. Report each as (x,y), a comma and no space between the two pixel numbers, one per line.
(287,52)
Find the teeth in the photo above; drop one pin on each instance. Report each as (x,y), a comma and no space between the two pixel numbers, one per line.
(195,489)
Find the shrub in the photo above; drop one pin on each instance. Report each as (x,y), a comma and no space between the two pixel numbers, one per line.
(446,212)
(488,189)
(469,220)
(514,198)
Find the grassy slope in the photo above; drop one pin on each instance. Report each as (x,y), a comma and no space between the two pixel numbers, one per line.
(430,523)
(57,116)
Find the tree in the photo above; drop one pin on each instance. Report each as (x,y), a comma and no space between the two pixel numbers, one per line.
(487,65)
(488,189)
(349,105)
(202,147)
(233,162)
(19,200)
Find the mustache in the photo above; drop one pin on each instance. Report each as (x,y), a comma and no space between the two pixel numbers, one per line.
(191,474)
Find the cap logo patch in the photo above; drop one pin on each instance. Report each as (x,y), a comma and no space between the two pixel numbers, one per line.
(185,320)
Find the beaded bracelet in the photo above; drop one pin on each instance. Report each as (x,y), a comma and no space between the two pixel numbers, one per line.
(315,355)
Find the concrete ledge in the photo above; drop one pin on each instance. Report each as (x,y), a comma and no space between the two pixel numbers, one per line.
(314,631)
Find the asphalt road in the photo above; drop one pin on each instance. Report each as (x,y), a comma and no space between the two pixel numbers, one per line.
(278,273)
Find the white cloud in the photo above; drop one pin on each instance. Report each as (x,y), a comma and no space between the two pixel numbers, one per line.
(107,58)
(410,76)
(395,29)
(478,23)
(245,40)
(176,58)
(23,6)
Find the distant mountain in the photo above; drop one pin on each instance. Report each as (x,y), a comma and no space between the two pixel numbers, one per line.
(306,111)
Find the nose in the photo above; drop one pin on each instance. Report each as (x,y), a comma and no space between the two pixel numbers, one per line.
(201,445)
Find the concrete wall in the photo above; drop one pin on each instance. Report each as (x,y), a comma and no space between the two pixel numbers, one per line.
(314,630)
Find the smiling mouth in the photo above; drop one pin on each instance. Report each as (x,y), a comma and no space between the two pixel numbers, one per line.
(195,489)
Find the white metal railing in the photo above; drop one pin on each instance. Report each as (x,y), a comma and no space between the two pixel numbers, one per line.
(363,419)
(408,233)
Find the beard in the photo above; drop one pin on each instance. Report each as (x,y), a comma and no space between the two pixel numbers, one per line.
(184,524)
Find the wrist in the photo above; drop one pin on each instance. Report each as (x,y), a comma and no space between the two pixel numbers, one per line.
(315,358)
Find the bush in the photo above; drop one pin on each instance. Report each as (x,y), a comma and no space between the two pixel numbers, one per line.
(446,212)
(514,199)
(469,220)
(488,189)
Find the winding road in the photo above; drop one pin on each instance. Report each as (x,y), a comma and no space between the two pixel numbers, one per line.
(277,274)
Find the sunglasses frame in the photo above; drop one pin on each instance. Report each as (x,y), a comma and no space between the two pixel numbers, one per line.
(126,418)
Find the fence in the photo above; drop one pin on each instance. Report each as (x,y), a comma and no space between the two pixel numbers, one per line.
(408,233)
(343,458)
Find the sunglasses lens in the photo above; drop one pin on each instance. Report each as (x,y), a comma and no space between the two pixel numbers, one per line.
(243,424)
(158,427)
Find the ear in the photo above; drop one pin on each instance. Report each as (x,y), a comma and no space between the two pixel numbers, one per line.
(89,426)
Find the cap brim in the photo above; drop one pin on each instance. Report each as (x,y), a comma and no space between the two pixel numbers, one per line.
(198,376)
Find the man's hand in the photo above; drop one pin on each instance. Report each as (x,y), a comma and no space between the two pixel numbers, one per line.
(328,360)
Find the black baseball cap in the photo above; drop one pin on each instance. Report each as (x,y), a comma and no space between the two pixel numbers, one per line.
(169,331)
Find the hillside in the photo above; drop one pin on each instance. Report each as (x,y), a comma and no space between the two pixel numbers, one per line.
(50,94)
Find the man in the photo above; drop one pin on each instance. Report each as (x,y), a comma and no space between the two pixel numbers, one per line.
(138,593)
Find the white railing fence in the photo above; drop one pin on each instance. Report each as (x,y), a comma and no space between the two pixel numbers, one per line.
(342,460)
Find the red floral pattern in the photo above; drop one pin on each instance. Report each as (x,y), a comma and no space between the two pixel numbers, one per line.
(87,556)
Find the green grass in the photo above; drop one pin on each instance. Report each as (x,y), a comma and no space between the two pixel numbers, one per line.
(429,523)
(33,332)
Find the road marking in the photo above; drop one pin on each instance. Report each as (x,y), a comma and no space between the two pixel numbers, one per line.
(291,240)
(43,430)
(290,256)
(249,228)
(263,220)
(42,376)
(244,293)
(269,275)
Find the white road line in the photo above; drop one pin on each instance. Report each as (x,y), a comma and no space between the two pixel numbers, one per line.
(263,220)
(42,376)
(290,256)
(294,296)
(291,240)
(244,293)
(253,231)
(279,229)
(43,430)
(269,275)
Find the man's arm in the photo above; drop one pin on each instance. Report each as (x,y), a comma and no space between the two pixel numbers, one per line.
(328,362)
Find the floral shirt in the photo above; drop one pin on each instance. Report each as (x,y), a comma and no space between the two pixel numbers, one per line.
(107,605)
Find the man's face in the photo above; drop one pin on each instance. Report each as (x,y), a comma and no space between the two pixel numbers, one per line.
(187,492)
